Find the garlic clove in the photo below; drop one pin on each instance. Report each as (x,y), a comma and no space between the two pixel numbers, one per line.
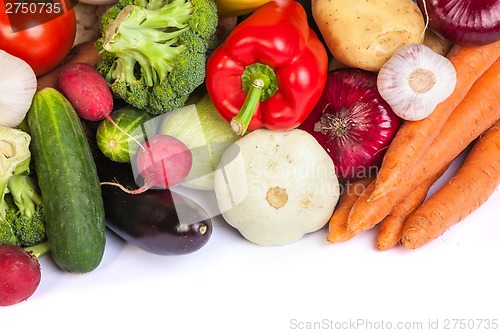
(415,80)
(18,85)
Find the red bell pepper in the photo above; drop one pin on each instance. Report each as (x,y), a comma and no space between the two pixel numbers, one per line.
(270,71)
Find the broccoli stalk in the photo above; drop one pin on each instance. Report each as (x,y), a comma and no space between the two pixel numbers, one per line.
(15,158)
(38,249)
(25,193)
(22,218)
(154,52)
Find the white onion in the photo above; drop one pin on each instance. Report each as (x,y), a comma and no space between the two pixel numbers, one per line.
(415,80)
(17,87)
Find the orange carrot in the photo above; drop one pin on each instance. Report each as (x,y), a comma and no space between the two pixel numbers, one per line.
(391,227)
(414,137)
(474,182)
(337,226)
(477,112)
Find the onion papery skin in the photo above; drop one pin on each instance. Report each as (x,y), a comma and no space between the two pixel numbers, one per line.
(464,22)
(353,123)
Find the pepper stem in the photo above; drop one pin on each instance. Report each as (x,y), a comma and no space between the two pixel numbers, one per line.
(259,81)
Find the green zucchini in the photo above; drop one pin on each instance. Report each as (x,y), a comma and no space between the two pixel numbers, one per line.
(68,183)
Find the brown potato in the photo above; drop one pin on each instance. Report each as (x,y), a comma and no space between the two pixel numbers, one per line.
(366,33)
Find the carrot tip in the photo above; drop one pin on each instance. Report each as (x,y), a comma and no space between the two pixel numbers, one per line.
(386,245)
(381,247)
(334,238)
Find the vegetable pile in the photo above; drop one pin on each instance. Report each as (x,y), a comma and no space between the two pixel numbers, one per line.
(301,116)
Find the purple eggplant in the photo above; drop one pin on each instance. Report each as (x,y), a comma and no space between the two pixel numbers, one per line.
(162,222)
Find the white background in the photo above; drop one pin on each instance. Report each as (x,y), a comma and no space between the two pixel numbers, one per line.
(232,285)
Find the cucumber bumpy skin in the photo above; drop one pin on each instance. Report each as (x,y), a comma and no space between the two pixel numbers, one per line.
(68,182)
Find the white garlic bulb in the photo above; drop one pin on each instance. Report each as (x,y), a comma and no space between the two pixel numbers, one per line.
(415,80)
(17,87)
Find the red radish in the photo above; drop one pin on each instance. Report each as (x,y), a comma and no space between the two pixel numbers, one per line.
(20,272)
(163,162)
(353,123)
(87,90)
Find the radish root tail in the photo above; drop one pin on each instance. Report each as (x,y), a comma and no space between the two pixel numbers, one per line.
(426,13)
(142,189)
(127,134)
(124,189)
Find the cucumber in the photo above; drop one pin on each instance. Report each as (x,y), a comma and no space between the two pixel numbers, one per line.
(68,182)
(114,143)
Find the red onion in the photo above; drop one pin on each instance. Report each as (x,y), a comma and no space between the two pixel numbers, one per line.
(353,123)
(464,22)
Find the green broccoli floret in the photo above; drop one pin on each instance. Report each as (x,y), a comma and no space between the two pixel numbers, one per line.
(155,51)
(7,234)
(27,230)
(22,218)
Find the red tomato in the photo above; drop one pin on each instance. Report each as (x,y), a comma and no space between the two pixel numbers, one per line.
(45,43)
